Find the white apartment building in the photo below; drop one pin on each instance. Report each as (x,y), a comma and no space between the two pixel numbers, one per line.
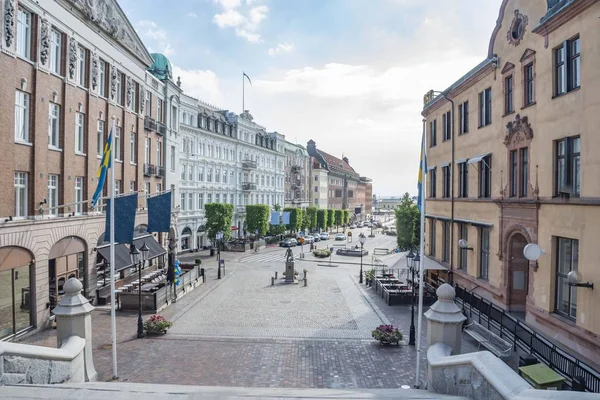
(319,184)
(298,182)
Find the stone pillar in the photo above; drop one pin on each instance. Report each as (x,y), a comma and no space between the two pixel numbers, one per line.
(73,317)
(445,320)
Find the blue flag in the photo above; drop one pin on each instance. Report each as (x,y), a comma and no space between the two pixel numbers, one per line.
(286,217)
(105,164)
(125,208)
(274,218)
(159,213)
(422,172)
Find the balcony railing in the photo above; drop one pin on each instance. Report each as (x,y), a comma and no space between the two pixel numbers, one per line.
(248,186)
(249,164)
(159,171)
(161,128)
(149,124)
(148,169)
(296,169)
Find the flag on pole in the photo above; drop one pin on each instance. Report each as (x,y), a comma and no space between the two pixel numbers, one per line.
(125,207)
(103,169)
(422,171)
(159,213)
(246,76)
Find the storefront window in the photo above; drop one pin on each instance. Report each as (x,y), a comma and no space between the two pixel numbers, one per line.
(15,300)
(60,270)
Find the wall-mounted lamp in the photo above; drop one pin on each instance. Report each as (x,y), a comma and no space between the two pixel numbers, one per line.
(533,252)
(574,279)
(464,245)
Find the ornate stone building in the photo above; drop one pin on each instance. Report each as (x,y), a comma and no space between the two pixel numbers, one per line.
(297,176)
(511,162)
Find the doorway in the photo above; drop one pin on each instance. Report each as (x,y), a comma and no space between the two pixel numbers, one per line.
(518,267)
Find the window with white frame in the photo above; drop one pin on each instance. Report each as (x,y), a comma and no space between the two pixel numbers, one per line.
(183,170)
(102,78)
(52,194)
(24,33)
(147,151)
(191,173)
(79,132)
(21,116)
(158,187)
(484,252)
(159,154)
(209,198)
(148,103)
(172,158)
(217,175)
(119,89)
(81,66)
(78,195)
(21,194)
(118,154)
(190,201)
(55,51)
(132,148)
(118,186)
(209,175)
(182,203)
(132,186)
(133,104)
(159,111)
(567,260)
(100,138)
(201,174)
(217,198)
(200,201)
(54,126)
(147,190)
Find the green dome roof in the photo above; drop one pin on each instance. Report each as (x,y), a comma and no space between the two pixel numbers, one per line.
(161,67)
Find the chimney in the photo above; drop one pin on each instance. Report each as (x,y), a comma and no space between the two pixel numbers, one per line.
(346,160)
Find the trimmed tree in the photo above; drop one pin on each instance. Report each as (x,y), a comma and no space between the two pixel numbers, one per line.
(257,218)
(295,218)
(330,218)
(310,217)
(345,217)
(338,218)
(322,222)
(407,218)
(218,219)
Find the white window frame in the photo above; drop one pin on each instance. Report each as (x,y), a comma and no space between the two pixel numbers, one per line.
(118,184)
(22,117)
(55,51)
(23,44)
(54,125)
(102,78)
(100,128)
(148,103)
(118,134)
(79,132)
(53,186)
(159,154)
(132,148)
(119,89)
(21,191)
(78,195)
(81,66)
(172,158)
(147,151)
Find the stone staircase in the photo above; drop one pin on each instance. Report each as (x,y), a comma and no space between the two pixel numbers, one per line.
(130,391)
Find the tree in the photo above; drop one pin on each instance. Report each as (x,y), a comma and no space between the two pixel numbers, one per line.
(330,218)
(277,207)
(407,221)
(345,217)
(218,219)
(338,218)
(322,222)
(257,217)
(300,218)
(295,218)
(310,216)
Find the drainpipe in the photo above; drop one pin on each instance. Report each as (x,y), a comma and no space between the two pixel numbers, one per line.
(451,272)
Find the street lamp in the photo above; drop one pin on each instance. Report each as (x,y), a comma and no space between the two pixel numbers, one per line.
(134,253)
(362,239)
(410,257)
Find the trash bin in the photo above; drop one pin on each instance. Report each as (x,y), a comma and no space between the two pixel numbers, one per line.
(212,251)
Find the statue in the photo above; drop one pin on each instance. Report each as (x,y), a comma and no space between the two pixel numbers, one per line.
(289,255)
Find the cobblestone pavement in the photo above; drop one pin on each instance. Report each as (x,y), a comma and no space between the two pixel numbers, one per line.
(241,331)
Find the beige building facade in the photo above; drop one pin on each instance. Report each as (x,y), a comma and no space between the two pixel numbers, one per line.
(511,161)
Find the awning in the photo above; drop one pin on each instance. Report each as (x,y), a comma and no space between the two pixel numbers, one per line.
(234,228)
(478,158)
(122,258)
(428,263)
(155,248)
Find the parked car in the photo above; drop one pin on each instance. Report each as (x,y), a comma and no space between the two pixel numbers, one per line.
(290,242)
(308,239)
(324,236)
(340,236)
(317,237)
(353,226)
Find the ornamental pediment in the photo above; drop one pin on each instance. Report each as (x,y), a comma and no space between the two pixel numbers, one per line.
(518,131)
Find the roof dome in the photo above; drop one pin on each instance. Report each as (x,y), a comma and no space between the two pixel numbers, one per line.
(161,67)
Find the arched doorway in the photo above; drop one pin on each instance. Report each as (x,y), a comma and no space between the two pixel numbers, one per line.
(16,299)
(67,259)
(200,237)
(186,234)
(518,273)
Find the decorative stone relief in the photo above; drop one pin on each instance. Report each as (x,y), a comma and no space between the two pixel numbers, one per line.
(95,70)
(113,81)
(44,41)
(517,28)
(72,57)
(129,95)
(518,131)
(142,98)
(9,22)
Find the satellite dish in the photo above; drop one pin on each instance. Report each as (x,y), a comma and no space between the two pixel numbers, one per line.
(573,278)
(533,252)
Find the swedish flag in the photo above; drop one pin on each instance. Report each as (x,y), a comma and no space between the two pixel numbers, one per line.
(105,164)
(422,172)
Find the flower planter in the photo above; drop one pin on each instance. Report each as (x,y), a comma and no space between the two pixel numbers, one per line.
(156,333)
(387,335)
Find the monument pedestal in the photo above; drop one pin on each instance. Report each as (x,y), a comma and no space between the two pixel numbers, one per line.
(289,275)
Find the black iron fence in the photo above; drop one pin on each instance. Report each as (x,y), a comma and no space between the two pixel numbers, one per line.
(522,336)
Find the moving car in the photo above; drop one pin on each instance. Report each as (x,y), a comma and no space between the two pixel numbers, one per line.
(353,226)
(289,242)
(309,239)
(324,236)
(340,236)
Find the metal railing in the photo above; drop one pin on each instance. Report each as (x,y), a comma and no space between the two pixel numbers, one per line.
(159,171)
(148,169)
(149,123)
(247,186)
(249,164)
(161,128)
(524,337)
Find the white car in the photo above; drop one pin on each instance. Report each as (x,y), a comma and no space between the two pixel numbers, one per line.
(309,239)
(340,236)
(324,236)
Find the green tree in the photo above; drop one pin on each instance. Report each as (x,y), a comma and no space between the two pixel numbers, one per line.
(218,219)
(277,207)
(345,217)
(310,217)
(257,218)
(295,218)
(338,218)
(322,216)
(330,218)
(407,222)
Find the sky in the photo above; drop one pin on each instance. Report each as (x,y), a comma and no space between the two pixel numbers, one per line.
(348,74)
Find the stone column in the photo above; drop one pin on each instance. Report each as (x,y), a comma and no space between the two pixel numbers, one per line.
(445,320)
(73,317)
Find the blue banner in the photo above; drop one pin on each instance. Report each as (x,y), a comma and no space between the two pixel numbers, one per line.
(159,213)
(286,217)
(125,208)
(274,218)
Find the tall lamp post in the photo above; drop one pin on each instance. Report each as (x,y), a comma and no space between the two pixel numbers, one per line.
(218,237)
(410,263)
(134,253)
(362,239)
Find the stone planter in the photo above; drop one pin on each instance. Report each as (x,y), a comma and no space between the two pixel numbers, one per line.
(156,333)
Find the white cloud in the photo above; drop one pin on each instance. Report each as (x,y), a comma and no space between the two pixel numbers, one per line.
(230,18)
(246,22)
(192,15)
(156,36)
(229,4)
(257,14)
(281,48)
(201,84)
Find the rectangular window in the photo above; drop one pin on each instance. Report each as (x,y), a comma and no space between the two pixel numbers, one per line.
(182,203)
(55,51)
(463,233)
(463,116)
(119,89)
(133,106)
(148,103)
(446,181)
(514,173)
(567,179)
(191,173)
(484,253)
(159,157)
(118,186)
(485,177)
(447,125)
(21,116)
(21,194)
(433,133)
(432,182)
(485,107)
(209,198)
(209,175)
(79,132)
(200,201)
(524,186)
(53,195)
(172,158)
(529,84)
(54,126)
(190,201)
(147,150)
(132,186)
(147,189)
(78,195)
(102,78)
(446,249)
(463,180)
(218,198)
(100,138)
(566,261)
(183,172)
(432,235)
(567,66)
(81,66)
(118,155)
(508,95)
(159,110)
(159,188)
(24,33)
(132,148)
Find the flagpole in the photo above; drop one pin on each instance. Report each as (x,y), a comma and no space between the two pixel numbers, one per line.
(422,255)
(113,316)
(243,93)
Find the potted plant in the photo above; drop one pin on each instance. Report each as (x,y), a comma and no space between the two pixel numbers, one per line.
(387,334)
(157,324)
(370,275)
